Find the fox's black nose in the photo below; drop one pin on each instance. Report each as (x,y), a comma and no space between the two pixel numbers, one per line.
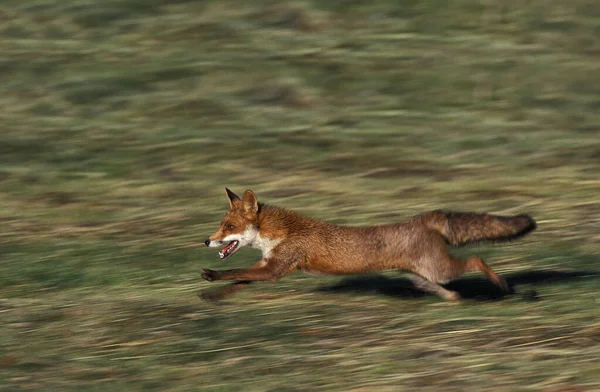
(207,242)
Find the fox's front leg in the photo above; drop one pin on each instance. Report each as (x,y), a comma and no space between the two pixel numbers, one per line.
(265,270)
(224,292)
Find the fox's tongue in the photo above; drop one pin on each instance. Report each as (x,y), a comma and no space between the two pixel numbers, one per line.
(227,250)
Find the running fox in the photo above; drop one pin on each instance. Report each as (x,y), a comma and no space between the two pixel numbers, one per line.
(290,241)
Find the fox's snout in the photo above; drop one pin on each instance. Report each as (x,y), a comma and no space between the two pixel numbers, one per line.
(207,242)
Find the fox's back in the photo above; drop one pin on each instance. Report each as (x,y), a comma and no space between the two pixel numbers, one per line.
(333,249)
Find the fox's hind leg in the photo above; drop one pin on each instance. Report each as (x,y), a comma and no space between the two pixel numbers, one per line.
(434,288)
(475,263)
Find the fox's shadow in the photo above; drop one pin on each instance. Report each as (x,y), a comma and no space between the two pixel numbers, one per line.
(478,288)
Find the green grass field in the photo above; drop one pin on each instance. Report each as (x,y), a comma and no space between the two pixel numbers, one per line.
(122,121)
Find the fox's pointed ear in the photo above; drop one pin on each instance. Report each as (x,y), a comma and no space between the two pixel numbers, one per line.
(250,203)
(232,197)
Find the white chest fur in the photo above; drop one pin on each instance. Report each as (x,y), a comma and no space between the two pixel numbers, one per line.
(265,244)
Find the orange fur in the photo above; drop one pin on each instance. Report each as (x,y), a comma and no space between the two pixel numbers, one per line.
(291,242)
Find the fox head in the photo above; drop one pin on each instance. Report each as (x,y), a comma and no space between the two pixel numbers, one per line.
(240,225)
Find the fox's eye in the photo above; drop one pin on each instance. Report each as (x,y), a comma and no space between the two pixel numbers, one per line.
(230,227)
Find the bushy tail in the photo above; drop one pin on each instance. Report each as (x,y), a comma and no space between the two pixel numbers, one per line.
(462,228)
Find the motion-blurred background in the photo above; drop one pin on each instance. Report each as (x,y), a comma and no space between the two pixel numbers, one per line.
(121,122)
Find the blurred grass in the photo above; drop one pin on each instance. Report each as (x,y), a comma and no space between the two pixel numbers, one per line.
(122,121)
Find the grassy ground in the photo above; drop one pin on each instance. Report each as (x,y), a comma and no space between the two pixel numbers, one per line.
(122,121)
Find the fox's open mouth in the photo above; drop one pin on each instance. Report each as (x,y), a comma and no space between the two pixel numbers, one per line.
(230,249)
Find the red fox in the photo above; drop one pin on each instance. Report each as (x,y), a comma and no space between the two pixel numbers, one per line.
(290,241)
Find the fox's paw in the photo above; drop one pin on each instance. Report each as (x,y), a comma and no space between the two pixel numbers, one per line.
(504,286)
(452,297)
(210,275)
